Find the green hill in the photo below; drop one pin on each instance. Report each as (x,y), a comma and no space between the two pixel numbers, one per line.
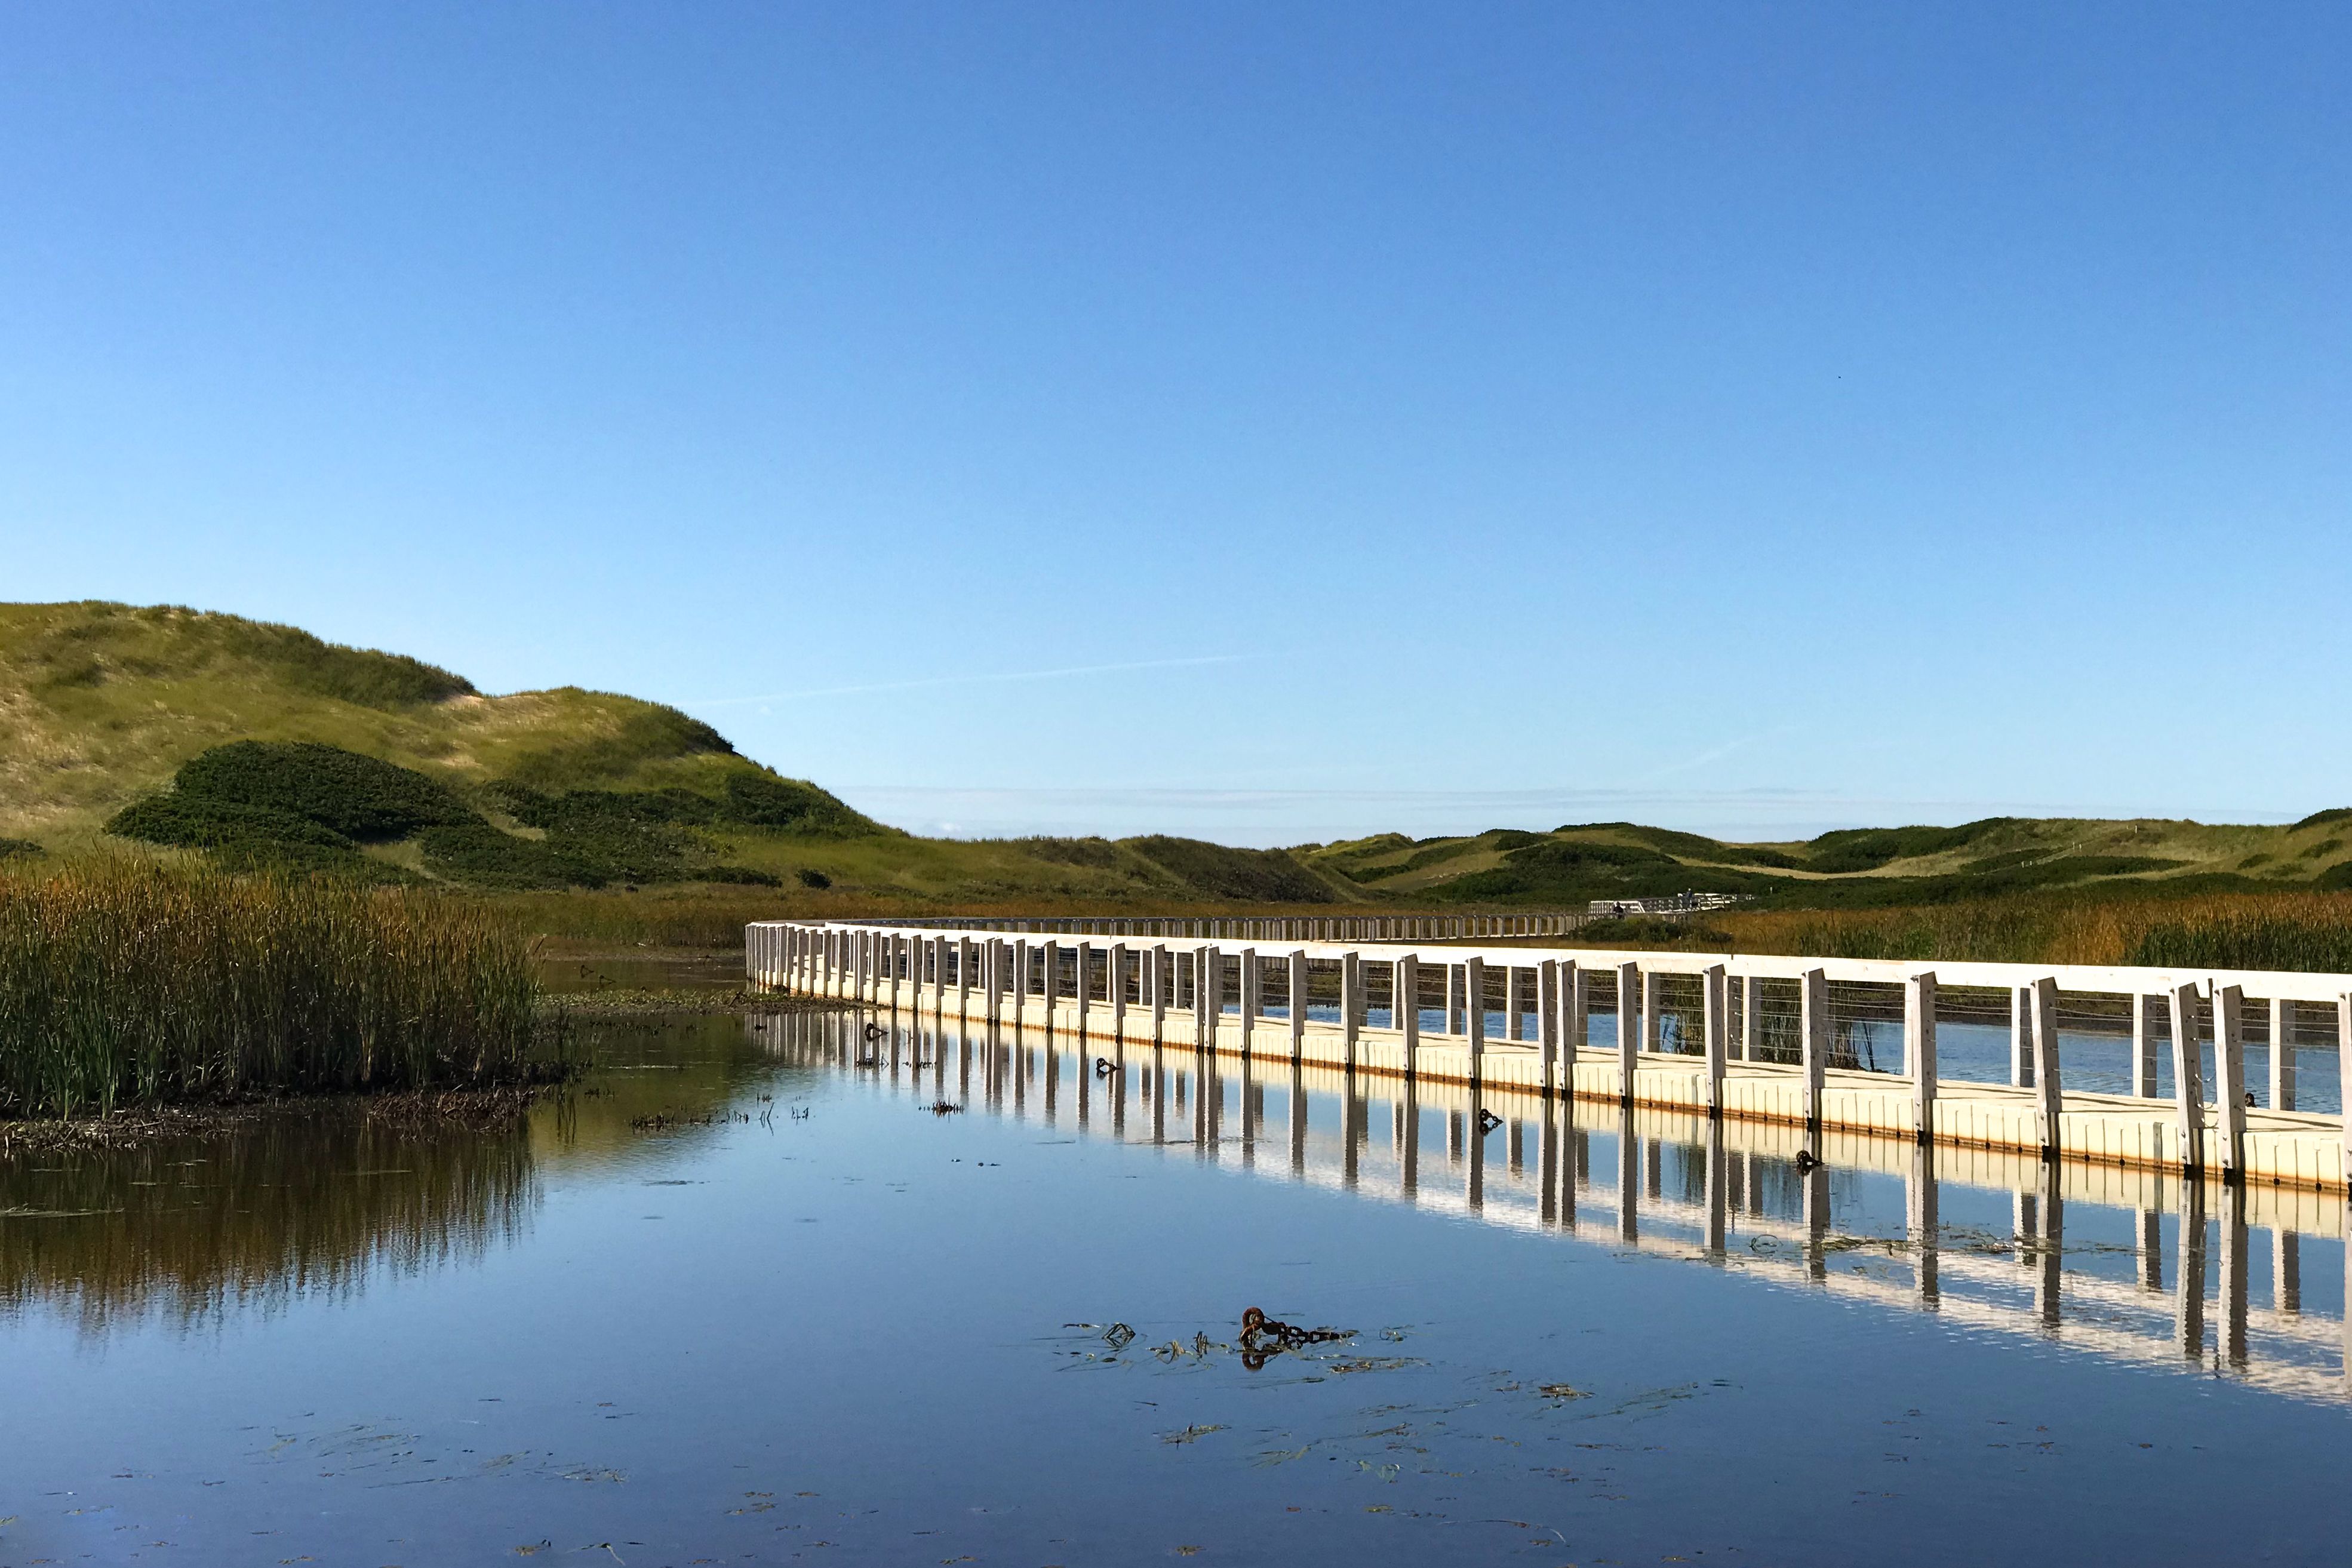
(187,731)
(1850,868)
(194,732)
(100,704)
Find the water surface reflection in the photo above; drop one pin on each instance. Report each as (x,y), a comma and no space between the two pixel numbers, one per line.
(2139,1265)
(748,1294)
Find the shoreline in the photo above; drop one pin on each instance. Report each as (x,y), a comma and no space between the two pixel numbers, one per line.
(485,1106)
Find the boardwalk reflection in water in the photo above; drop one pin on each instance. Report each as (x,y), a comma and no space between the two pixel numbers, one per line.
(2142,1267)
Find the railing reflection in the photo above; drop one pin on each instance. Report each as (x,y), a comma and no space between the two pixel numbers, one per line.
(2108,1260)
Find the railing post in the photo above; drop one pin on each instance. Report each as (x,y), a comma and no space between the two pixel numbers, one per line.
(1085,956)
(1020,981)
(1547,1023)
(1298,1005)
(2049,1101)
(1814,1022)
(1653,991)
(1920,1050)
(2229,1067)
(1117,964)
(1208,996)
(2188,1078)
(1408,1010)
(1351,1003)
(1576,995)
(1513,1029)
(1158,959)
(1717,986)
(1751,999)
(1249,1000)
(1629,1029)
(1474,1010)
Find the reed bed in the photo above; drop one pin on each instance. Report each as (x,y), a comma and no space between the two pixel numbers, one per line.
(125,984)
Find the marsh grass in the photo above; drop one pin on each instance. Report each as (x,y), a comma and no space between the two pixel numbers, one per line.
(2307,933)
(124,984)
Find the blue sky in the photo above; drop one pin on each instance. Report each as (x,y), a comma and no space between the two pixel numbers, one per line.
(1269,421)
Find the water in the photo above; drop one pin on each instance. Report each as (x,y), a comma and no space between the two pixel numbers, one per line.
(741,1299)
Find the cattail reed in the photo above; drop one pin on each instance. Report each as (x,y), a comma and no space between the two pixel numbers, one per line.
(124,985)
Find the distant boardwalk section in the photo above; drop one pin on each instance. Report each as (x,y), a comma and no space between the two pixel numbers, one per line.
(2236,1075)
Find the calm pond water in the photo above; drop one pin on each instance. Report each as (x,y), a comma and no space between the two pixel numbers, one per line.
(748,1296)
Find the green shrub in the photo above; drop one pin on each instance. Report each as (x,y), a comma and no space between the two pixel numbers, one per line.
(199,822)
(359,797)
(737,876)
(813,879)
(752,800)
(13,846)
(477,852)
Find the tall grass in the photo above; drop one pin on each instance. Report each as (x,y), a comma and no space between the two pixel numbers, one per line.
(2299,931)
(124,984)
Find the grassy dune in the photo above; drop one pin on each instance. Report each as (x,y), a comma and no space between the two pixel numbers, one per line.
(103,705)
(100,703)
(1999,858)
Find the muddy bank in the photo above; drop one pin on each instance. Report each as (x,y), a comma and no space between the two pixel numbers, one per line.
(486,1106)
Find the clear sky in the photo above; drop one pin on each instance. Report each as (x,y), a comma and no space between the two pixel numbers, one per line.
(1274,422)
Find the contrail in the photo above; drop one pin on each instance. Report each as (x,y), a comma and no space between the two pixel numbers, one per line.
(970,679)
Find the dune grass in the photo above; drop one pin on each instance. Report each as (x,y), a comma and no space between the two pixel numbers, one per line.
(124,984)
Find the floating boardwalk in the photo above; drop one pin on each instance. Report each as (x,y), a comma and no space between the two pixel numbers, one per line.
(1746,1037)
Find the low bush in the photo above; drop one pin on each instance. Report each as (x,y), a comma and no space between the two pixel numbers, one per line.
(359,797)
(478,852)
(197,822)
(736,876)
